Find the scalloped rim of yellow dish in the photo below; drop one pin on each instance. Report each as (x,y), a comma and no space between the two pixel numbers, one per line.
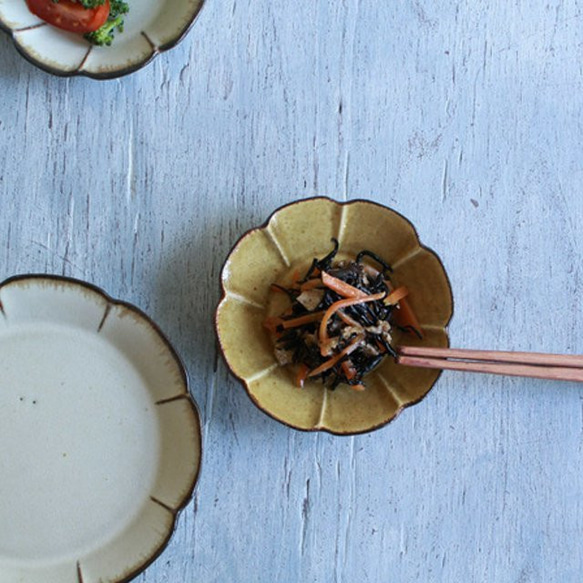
(224,296)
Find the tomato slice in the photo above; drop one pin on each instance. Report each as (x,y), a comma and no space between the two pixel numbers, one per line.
(70,15)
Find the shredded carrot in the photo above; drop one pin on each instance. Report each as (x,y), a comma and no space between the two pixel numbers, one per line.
(323,331)
(295,278)
(348,369)
(301,375)
(301,320)
(271,323)
(397,295)
(277,289)
(341,287)
(405,317)
(311,284)
(332,361)
(382,349)
(347,319)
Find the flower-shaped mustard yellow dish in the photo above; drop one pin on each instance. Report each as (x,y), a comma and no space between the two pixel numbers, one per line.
(150,28)
(288,242)
(101,441)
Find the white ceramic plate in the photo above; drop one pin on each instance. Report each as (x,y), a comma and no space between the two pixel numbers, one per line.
(151,27)
(100,439)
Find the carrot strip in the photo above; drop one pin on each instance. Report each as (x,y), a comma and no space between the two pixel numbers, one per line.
(405,316)
(311,284)
(347,319)
(323,331)
(301,320)
(397,295)
(301,375)
(358,387)
(332,361)
(348,369)
(341,287)
(271,323)
(381,348)
(295,278)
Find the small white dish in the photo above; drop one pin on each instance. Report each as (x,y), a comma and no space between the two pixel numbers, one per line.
(101,442)
(151,27)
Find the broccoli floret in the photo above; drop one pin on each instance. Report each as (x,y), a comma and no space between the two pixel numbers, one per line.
(103,37)
(118,8)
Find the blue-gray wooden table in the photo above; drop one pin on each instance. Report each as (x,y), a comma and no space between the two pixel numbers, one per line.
(465,116)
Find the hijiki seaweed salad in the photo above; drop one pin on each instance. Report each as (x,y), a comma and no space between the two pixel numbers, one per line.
(340,321)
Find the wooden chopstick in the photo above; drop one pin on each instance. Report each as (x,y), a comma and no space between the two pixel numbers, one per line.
(562,367)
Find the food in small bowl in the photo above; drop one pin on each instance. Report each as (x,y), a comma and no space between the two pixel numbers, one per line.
(101,39)
(339,323)
(96,20)
(278,256)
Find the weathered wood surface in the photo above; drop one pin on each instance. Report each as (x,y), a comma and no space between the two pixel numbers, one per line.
(466,117)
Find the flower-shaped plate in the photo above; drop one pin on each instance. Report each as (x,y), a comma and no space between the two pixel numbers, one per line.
(101,441)
(286,244)
(151,27)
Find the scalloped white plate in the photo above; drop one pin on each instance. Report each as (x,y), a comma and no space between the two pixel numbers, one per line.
(100,439)
(151,27)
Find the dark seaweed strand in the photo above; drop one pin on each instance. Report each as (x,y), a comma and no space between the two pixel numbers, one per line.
(375,309)
(334,376)
(321,264)
(289,340)
(384,312)
(372,255)
(338,378)
(351,274)
(390,350)
(310,357)
(364,364)
(310,271)
(291,293)
(372,364)
(362,315)
(379,284)
(297,310)
(325,263)
(328,299)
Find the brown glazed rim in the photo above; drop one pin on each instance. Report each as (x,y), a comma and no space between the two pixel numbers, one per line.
(186,396)
(264,225)
(122,72)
